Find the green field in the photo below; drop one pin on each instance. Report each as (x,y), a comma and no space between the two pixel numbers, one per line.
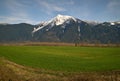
(64,58)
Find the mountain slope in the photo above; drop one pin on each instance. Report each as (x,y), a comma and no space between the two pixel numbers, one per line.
(15,32)
(58,20)
(62,28)
(59,29)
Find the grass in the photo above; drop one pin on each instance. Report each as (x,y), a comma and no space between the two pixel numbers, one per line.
(10,71)
(64,58)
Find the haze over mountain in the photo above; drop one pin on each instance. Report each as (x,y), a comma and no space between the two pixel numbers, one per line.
(62,28)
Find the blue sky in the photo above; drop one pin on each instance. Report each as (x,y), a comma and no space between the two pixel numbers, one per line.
(35,11)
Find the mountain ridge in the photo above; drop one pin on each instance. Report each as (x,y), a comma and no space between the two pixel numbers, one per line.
(62,28)
(66,18)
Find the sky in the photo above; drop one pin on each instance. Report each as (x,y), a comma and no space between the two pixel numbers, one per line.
(36,11)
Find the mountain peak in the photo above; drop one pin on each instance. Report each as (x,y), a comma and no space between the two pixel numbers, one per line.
(60,19)
(59,15)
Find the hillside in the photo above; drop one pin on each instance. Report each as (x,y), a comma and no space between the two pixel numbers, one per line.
(62,28)
(15,32)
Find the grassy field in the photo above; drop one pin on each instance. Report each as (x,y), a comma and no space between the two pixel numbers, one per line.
(64,58)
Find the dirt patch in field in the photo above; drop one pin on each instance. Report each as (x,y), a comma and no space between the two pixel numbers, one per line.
(57,44)
(10,71)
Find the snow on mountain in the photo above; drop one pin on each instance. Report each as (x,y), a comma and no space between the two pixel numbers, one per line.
(79,31)
(63,20)
(40,26)
(58,20)
(36,29)
(117,22)
(112,23)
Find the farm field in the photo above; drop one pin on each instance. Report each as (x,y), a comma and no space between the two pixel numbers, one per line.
(64,58)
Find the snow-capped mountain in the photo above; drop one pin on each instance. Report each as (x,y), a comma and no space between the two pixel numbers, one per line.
(59,26)
(62,28)
(60,19)
(65,19)
(114,23)
(111,24)
(56,21)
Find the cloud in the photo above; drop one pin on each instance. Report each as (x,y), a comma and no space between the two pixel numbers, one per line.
(113,6)
(50,7)
(17,13)
(14,6)
(13,20)
(70,2)
(21,10)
